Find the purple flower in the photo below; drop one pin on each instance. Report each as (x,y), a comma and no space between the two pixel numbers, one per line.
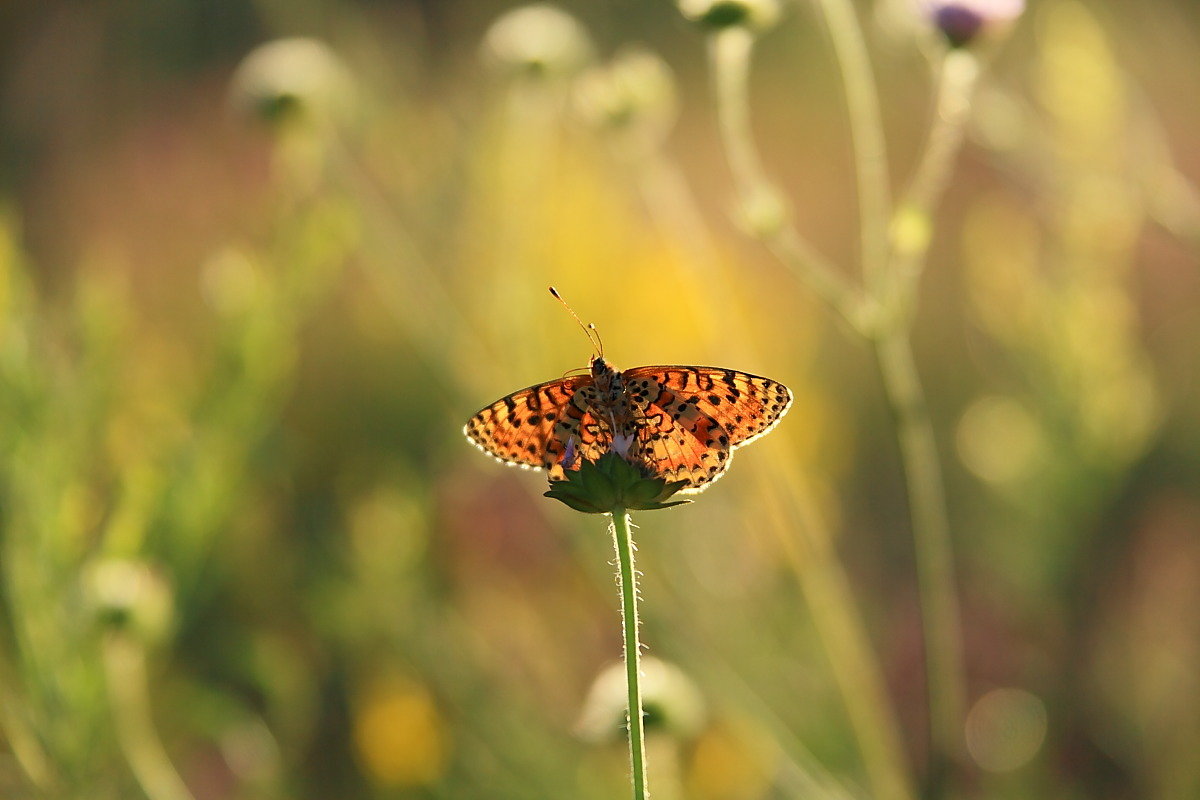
(961,21)
(569,455)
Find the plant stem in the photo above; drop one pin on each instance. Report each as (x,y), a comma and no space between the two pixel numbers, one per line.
(627,576)
(945,681)
(729,55)
(880,317)
(125,674)
(866,134)
(22,738)
(856,672)
(940,615)
(957,76)
(862,691)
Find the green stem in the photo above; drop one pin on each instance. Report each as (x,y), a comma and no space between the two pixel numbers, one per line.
(946,683)
(623,542)
(874,728)
(866,134)
(957,77)
(22,738)
(125,673)
(729,54)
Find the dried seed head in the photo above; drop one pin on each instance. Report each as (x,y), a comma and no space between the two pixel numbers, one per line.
(670,701)
(288,80)
(757,15)
(537,41)
(633,96)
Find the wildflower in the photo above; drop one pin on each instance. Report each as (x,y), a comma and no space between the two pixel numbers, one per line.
(570,454)
(611,483)
(961,22)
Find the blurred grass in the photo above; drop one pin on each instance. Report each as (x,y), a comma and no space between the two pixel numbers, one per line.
(235,358)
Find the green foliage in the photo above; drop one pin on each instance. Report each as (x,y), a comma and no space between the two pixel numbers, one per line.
(611,483)
(245,553)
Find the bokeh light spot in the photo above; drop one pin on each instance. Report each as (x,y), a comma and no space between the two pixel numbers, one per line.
(1005,729)
(997,439)
(399,734)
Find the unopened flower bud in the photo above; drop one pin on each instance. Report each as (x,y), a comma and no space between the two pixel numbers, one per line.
(763,212)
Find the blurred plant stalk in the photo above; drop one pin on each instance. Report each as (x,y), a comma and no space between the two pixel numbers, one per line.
(893,250)
(124,659)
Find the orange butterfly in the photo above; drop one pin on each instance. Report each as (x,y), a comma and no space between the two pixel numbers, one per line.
(679,423)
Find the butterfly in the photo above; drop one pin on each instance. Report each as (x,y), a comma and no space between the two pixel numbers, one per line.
(679,423)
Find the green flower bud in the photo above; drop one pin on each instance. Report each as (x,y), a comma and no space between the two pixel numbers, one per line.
(611,483)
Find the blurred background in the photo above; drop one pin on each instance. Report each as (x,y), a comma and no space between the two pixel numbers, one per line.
(252,285)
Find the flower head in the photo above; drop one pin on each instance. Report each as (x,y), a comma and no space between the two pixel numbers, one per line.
(296,78)
(962,21)
(671,701)
(611,483)
(634,96)
(130,595)
(537,40)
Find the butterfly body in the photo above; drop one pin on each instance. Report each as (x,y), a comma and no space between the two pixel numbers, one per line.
(679,423)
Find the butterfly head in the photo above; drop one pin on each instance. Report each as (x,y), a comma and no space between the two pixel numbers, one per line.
(600,368)
(607,380)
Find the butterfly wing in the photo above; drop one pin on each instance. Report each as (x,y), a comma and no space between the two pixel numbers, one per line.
(530,428)
(679,449)
(746,406)
(696,416)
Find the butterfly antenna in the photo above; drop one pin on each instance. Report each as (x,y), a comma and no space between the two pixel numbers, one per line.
(588,329)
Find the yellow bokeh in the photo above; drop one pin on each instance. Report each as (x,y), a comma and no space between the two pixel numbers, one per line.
(728,764)
(399,733)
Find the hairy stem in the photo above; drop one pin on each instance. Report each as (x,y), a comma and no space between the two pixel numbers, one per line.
(627,576)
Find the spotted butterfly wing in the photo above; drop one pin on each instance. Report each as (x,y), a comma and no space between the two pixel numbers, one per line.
(531,428)
(683,422)
(692,418)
